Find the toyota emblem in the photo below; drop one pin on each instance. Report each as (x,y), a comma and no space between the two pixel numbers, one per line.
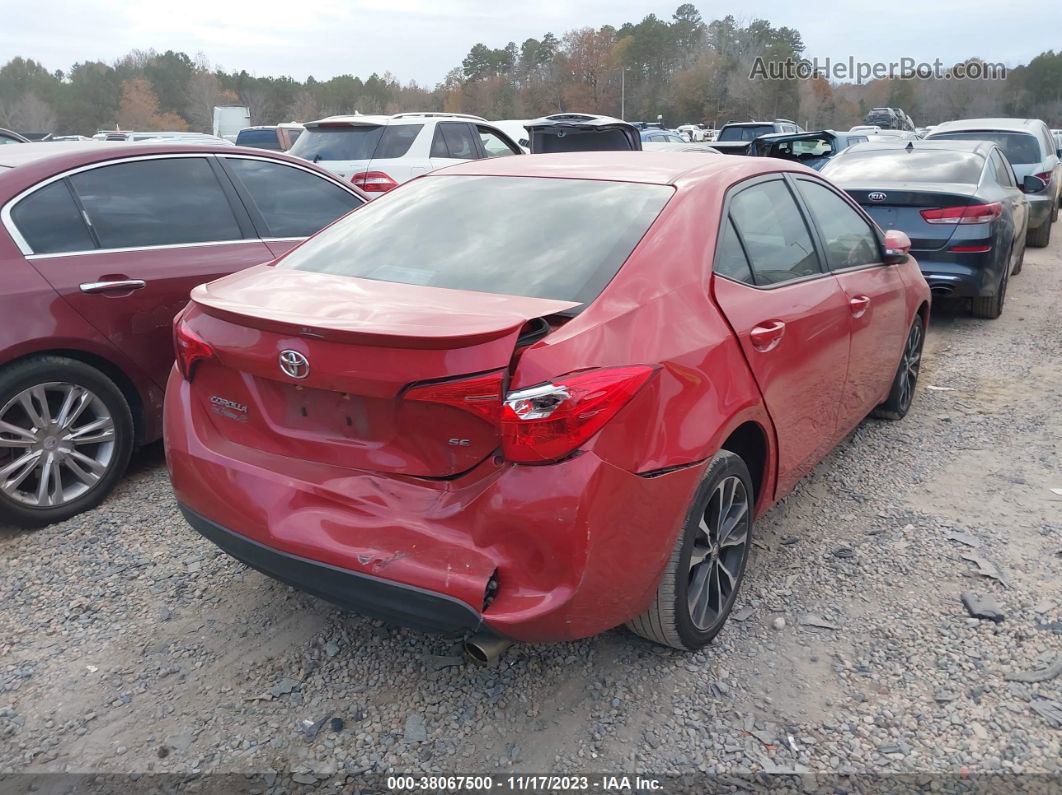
(877,196)
(294,364)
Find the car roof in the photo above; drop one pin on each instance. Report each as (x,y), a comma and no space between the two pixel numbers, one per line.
(33,162)
(659,168)
(973,125)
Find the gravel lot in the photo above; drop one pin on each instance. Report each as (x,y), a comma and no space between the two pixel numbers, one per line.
(127,643)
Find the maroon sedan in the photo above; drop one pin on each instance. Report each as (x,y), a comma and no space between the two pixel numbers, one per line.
(99,247)
(538,397)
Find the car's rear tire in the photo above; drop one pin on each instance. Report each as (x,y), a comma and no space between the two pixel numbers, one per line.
(1020,262)
(71,428)
(990,307)
(703,575)
(901,394)
(1040,236)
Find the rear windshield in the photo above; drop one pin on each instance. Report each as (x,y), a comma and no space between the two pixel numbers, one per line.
(1020,148)
(527,236)
(745,133)
(899,165)
(260,139)
(337,143)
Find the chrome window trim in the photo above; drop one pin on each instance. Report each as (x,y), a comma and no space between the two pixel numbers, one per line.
(27,250)
(143,248)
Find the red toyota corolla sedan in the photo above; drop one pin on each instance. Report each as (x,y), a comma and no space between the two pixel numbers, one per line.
(100,245)
(539,397)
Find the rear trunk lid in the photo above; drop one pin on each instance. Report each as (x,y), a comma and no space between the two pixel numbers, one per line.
(361,346)
(900,205)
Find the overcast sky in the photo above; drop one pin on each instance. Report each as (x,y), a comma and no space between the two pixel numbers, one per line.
(422,39)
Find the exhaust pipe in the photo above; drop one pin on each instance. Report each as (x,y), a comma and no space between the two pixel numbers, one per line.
(484,648)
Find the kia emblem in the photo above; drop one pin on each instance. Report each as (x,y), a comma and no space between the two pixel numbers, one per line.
(294,364)
(877,196)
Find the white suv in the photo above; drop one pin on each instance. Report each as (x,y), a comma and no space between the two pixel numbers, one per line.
(378,153)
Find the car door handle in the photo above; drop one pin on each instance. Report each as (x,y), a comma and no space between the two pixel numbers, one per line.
(767,336)
(859,305)
(116,284)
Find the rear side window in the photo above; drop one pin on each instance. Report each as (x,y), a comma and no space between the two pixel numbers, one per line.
(396,140)
(849,240)
(1020,148)
(342,142)
(454,139)
(776,238)
(1004,176)
(50,221)
(156,203)
(544,238)
(901,165)
(292,202)
(730,259)
(260,139)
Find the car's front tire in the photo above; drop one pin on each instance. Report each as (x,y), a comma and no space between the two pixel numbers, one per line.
(707,564)
(66,434)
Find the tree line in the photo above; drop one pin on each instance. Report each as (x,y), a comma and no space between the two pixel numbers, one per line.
(680,70)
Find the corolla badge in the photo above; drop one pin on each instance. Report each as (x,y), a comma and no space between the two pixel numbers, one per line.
(877,196)
(294,364)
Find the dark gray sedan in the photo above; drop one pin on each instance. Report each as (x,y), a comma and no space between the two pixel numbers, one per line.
(959,202)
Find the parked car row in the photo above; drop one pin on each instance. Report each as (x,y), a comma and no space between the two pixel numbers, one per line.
(101,245)
(379,408)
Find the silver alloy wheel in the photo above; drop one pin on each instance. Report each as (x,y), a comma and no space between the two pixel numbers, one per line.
(718,551)
(56,443)
(909,365)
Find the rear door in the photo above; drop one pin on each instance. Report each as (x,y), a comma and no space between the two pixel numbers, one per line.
(1002,175)
(875,293)
(454,142)
(287,203)
(155,227)
(790,315)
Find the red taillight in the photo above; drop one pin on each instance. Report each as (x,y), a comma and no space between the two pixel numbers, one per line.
(481,395)
(374,182)
(967,214)
(970,249)
(547,422)
(1045,176)
(190,348)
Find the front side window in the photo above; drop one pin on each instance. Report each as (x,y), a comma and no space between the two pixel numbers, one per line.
(292,202)
(526,236)
(50,221)
(494,144)
(776,238)
(849,240)
(156,203)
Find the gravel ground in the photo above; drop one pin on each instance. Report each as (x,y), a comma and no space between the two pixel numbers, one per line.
(127,643)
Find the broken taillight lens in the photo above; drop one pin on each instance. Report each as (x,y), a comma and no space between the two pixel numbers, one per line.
(544,423)
(189,347)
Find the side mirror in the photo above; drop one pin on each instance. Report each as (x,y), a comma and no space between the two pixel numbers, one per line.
(897,244)
(1032,184)
(1059,153)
